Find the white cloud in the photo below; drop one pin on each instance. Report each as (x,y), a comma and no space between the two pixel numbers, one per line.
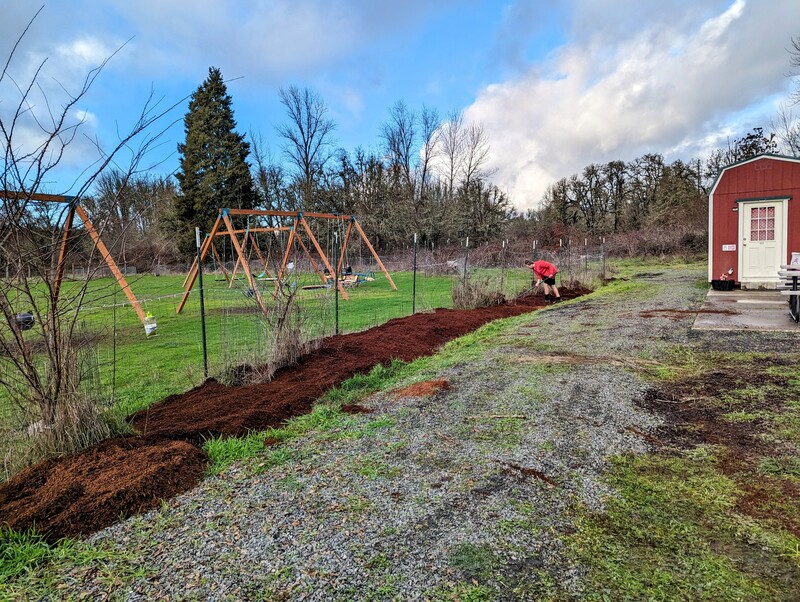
(669,81)
(83,53)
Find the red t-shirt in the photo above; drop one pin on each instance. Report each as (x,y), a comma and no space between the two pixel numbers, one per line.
(544,269)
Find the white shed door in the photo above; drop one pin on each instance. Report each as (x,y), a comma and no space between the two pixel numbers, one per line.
(762,241)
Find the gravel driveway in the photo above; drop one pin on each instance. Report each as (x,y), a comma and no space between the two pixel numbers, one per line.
(467,489)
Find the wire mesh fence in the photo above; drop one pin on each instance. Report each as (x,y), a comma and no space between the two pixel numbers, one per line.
(242,313)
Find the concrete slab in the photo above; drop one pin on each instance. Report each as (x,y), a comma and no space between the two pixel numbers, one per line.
(745,310)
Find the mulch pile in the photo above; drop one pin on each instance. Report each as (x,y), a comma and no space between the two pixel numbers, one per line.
(81,494)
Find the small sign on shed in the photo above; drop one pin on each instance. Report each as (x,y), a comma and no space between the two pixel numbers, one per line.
(728,247)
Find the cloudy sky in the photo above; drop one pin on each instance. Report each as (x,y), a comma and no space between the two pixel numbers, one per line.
(556,84)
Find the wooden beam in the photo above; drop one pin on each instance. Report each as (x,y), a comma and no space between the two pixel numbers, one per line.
(260,256)
(35,196)
(110,261)
(344,245)
(374,254)
(314,265)
(193,268)
(313,239)
(281,229)
(245,266)
(62,253)
(286,253)
(193,273)
(286,213)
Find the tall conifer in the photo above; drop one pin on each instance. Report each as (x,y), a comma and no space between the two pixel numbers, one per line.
(214,172)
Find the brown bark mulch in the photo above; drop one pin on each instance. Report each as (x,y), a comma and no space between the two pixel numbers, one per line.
(81,494)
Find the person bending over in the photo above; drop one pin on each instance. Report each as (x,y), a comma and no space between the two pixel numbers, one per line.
(544,271)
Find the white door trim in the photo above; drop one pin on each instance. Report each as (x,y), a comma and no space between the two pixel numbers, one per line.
(784,234)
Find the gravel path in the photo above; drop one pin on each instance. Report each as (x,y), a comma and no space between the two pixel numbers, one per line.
(428,496)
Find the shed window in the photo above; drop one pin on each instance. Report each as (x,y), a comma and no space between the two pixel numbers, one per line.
(762,223)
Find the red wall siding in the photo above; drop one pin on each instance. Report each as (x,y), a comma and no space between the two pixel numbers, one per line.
(762,178)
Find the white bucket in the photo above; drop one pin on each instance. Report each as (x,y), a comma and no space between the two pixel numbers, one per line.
(149,326)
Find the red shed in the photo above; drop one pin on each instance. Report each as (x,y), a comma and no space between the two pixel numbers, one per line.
(754,219)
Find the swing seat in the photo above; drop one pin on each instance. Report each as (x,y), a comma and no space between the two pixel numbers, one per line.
(346,281)
(351,280)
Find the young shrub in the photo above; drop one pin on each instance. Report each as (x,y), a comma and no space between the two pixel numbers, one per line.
(478,292)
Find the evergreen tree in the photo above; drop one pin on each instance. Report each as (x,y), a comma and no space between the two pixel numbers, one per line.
(214,172)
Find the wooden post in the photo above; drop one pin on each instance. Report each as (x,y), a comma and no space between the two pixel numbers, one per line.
(110,262)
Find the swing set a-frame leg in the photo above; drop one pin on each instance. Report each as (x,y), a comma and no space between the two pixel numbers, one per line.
(374,254)
(245,265)
(192,275)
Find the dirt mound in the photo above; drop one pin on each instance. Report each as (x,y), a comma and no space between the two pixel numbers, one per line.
(121,477)
(95,488)
(423,389)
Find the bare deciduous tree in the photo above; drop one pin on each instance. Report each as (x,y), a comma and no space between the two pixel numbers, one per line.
(476,154)
(430,124)
(786,126)
(307,136)
(41,370)
(452,144)
(794,58)
(399,136)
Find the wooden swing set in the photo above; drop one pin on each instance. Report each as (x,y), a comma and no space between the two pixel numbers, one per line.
(73,209)
(299,224)
(249,244)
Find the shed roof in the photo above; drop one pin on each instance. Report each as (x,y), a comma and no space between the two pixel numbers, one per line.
(772,156)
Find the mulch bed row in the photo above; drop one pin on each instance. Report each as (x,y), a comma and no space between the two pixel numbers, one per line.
(81,494)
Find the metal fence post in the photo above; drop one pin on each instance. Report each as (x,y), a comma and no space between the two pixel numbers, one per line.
(202,303)
(585,254)
(503,268)
(466,261)
(336,286)
(603,258)
(414,280)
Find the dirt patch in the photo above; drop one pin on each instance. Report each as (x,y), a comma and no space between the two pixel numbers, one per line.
(703,410)
(94,489)
(423,389)
(355,408)
(84,493)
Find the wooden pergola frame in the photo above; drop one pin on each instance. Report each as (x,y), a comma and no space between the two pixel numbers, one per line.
(76,208)
(294,236)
